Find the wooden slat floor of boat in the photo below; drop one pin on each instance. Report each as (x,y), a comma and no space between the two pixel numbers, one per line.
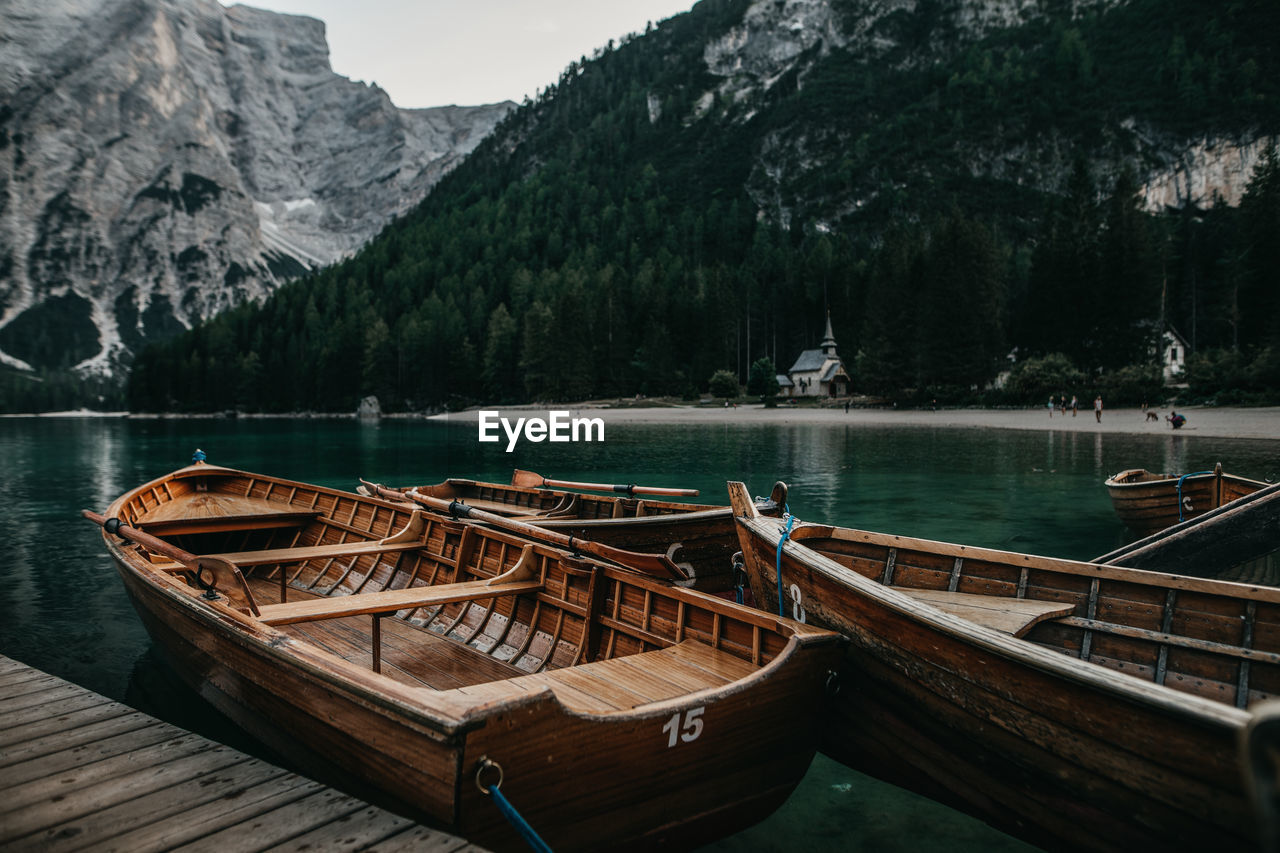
(80,771)
(1014,616)
(410,655)
(631,681)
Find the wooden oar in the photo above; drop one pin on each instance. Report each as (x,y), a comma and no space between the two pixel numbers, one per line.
(531,480)
(659,565)
(226,576)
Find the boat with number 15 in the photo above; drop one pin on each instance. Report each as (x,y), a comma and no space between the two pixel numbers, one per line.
(436,663)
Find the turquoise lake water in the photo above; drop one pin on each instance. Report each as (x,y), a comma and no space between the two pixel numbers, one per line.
(63,610)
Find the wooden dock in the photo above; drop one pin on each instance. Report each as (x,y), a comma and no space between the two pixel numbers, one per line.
(78,771)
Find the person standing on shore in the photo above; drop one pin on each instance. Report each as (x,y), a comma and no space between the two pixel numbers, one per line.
(1075,405)
(1097,408)
(1051,406)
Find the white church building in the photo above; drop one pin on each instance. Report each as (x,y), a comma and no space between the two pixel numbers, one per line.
(817,372)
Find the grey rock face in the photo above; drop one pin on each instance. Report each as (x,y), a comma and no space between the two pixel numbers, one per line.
(781,37)
(162,160)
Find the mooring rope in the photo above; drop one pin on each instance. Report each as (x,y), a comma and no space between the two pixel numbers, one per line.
(791,519)
(513,817)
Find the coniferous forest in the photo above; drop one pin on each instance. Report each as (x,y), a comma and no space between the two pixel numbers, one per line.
(949,204)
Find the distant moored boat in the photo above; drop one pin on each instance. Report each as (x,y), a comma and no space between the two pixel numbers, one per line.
(1148,503)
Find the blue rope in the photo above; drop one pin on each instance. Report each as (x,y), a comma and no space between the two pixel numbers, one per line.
(1180,479)
(521,825)
(791,519)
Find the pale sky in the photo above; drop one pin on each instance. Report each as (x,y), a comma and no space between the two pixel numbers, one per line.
(430,53)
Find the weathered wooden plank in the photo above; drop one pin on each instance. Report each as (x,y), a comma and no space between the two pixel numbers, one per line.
(53,714)
(349,832)
(10,665)
(10,677)
(84,744)
(90,774)
(38,698)
(278,826)
(420,839)
(82,791)
(200,820)
(132,815)
(1014,616)
(31,685)
(712,660)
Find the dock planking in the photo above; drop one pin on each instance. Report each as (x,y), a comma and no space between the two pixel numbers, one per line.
(79,771)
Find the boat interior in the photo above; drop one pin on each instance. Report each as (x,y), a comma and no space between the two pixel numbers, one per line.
(1209,638)
(552,503)
(433,602)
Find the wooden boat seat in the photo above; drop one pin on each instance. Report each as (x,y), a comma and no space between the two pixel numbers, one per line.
(631,681)
(301,554)
(407,539)
(390,600)
(520,578)
(227,523)
(1014,616)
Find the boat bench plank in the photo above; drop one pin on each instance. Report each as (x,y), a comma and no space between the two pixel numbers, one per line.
(314,552)
(227,523)
(391,600)
(1014,616)
(631,681)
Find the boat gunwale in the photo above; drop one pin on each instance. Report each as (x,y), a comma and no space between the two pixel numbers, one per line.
(1118,481)
(703,512)
(1206,712)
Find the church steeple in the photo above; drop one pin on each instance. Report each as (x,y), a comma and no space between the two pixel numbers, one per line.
(828,340)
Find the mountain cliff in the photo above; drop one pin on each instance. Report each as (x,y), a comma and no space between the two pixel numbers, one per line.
(164,160)
(950,179)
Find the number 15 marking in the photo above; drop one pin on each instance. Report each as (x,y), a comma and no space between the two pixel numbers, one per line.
(689,731)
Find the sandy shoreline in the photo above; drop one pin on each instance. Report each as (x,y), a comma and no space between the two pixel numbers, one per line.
(1260,423)
(1207,422)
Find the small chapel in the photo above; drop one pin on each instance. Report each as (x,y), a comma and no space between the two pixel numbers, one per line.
(817,372)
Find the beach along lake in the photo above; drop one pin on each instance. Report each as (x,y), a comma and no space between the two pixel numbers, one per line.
(63,609)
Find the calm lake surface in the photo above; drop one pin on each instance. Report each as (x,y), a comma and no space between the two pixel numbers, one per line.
(63,610)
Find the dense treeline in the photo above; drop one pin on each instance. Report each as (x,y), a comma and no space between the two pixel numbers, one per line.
(605,242)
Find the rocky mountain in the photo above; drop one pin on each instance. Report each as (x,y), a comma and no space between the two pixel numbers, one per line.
(163,160)
(947,178)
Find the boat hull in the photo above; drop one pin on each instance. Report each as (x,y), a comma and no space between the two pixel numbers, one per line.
(1148,503)
(579,778)
(1026,739)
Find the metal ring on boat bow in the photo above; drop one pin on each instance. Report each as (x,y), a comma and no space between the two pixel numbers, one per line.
(484,764)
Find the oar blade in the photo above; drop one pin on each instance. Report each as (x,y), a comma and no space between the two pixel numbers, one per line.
(527,479)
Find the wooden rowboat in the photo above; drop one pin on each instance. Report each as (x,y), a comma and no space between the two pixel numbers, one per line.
(700,536)
(1078,706)
(425,659)
(1148,503)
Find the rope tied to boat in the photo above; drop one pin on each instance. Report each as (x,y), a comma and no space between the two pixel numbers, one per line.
(739,576)
(786,534)
(509,812)
(1180,479)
